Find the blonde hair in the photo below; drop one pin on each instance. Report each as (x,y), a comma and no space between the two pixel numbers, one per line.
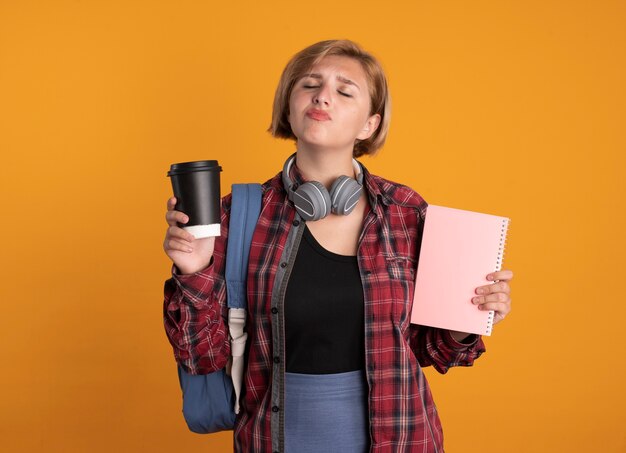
(303,61)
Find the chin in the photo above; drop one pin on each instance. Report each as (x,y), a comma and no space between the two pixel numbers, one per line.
(315,141)
(319,139)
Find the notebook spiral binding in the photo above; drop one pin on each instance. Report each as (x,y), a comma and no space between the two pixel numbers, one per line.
(505,227)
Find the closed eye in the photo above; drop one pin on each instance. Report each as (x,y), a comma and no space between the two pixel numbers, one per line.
(317,86)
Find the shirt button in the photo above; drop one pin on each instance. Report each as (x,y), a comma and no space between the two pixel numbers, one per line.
(274,310)
(283,264)
(276,359)
(368,272)
(296,222)
(275,409)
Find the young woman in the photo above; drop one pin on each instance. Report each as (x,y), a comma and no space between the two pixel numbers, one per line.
(333,363)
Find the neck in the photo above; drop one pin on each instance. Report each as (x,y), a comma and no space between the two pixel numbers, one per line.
(324,166)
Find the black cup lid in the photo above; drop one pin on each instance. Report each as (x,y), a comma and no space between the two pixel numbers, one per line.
(189,167)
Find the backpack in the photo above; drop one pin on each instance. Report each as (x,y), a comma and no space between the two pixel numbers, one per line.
(211,401)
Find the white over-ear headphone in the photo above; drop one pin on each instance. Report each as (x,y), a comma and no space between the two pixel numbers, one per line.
(314,202)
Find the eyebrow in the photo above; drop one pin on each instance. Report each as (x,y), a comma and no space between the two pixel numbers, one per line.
(340,78)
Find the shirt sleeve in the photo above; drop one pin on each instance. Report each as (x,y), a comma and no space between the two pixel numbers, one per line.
(195,312)
(437,347)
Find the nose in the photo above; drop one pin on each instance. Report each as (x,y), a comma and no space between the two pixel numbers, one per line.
(322,96)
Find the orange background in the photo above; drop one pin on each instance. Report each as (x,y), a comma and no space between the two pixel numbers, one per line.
(510,108)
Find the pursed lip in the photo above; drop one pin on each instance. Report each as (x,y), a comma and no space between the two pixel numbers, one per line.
(317,114)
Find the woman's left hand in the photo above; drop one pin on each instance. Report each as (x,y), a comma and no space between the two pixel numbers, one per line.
(496,296)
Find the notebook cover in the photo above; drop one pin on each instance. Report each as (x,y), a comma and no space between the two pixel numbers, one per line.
(459,248)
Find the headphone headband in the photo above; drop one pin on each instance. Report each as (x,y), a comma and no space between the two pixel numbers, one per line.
(313,201)
(288,183)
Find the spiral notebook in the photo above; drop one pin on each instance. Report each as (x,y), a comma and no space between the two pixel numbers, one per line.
(459,248)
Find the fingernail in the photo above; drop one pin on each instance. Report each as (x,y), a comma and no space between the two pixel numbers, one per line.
(189,249)
(489,277)
(479,291)
(475,300)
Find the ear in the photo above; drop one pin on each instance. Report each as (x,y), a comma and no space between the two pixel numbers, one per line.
(370,127)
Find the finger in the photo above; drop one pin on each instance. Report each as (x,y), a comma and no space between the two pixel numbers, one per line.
(172,217)
(500,275)
(175,232)
(496,297)
(174,244)
(171,203)
(497,317)
(498,307)
(499,287)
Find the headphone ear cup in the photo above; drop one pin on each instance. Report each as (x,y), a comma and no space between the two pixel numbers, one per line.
(312,201)
(344,194)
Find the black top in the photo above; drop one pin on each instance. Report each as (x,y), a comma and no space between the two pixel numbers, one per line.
(324,312)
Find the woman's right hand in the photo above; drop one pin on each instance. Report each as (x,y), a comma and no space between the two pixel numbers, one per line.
(189,254)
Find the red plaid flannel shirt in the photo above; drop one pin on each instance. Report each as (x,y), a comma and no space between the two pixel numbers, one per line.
(402,414)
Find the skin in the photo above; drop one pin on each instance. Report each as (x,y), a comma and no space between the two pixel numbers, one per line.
(329,108)
(337,86)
